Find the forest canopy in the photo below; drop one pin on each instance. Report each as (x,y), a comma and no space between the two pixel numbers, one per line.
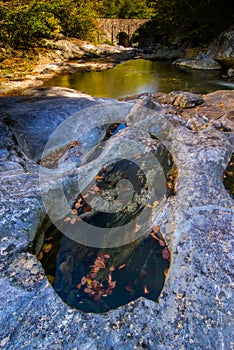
(24,22)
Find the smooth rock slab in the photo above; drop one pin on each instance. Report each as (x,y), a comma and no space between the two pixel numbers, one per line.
(195,309)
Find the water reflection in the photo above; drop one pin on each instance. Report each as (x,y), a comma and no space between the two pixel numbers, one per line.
(138,76)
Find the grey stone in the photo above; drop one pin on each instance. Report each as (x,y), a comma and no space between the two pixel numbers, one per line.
(201,61)
(222,48)
(195,309)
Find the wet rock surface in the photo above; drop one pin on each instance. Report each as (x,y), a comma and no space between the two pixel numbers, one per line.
(222,48)
(201,61)
(195,308)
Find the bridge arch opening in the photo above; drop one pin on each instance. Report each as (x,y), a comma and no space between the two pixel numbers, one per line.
(123,39)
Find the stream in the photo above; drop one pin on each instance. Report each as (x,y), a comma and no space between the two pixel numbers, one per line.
(142,76)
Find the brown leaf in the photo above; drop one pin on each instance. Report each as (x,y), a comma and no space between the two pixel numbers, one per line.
(47,248)
(74,211)
(78,285)
(145,290)
(112,284)
(73,221)
(166,254)
(95,269)
(156,228)
(129,288)
(162,243)
(165,272)
(88,290)
(78,205)
(111,269)
(109,278)
(87,209)
(67,219)
(122,266)
(107,256)
(100,264)
(40,255)
(97,297)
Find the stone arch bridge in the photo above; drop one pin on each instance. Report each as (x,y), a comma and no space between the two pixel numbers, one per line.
(119,31)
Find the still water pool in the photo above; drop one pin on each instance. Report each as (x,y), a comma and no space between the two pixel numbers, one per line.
(138,76)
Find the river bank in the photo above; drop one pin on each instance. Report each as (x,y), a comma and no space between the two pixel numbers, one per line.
(21,70)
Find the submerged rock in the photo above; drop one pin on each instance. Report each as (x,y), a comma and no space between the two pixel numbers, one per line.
(195,308)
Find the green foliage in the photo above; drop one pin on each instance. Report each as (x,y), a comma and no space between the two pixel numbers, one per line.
(127,9)
(192,21)
(22,23)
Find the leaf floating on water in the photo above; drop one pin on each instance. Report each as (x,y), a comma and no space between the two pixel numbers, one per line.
(109,278)
(95,269)
(40,255)
(129,288)
(165,272)
(47,248)
(166,254)
(97,297)
(122,266)
(100,264)
(112,284)
(88,290)
(145,290)
(78,286)
(111,269)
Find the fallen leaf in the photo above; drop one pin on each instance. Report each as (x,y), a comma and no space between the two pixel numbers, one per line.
(109,278)
(107,256)
(97,297)
(47,248)
(129,288)
(112,284)
(162,243)
(88,290)
(156,228)
(73,221)
(78,286)
(166,254)
(100,264)
(93,275)
(111,269)
(155,204)
(78,205)
(40,255)
(74,211)
(145,290)
(122,266)
(165,272)
(67,219)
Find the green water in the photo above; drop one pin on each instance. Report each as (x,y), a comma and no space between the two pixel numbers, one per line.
(139,76)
